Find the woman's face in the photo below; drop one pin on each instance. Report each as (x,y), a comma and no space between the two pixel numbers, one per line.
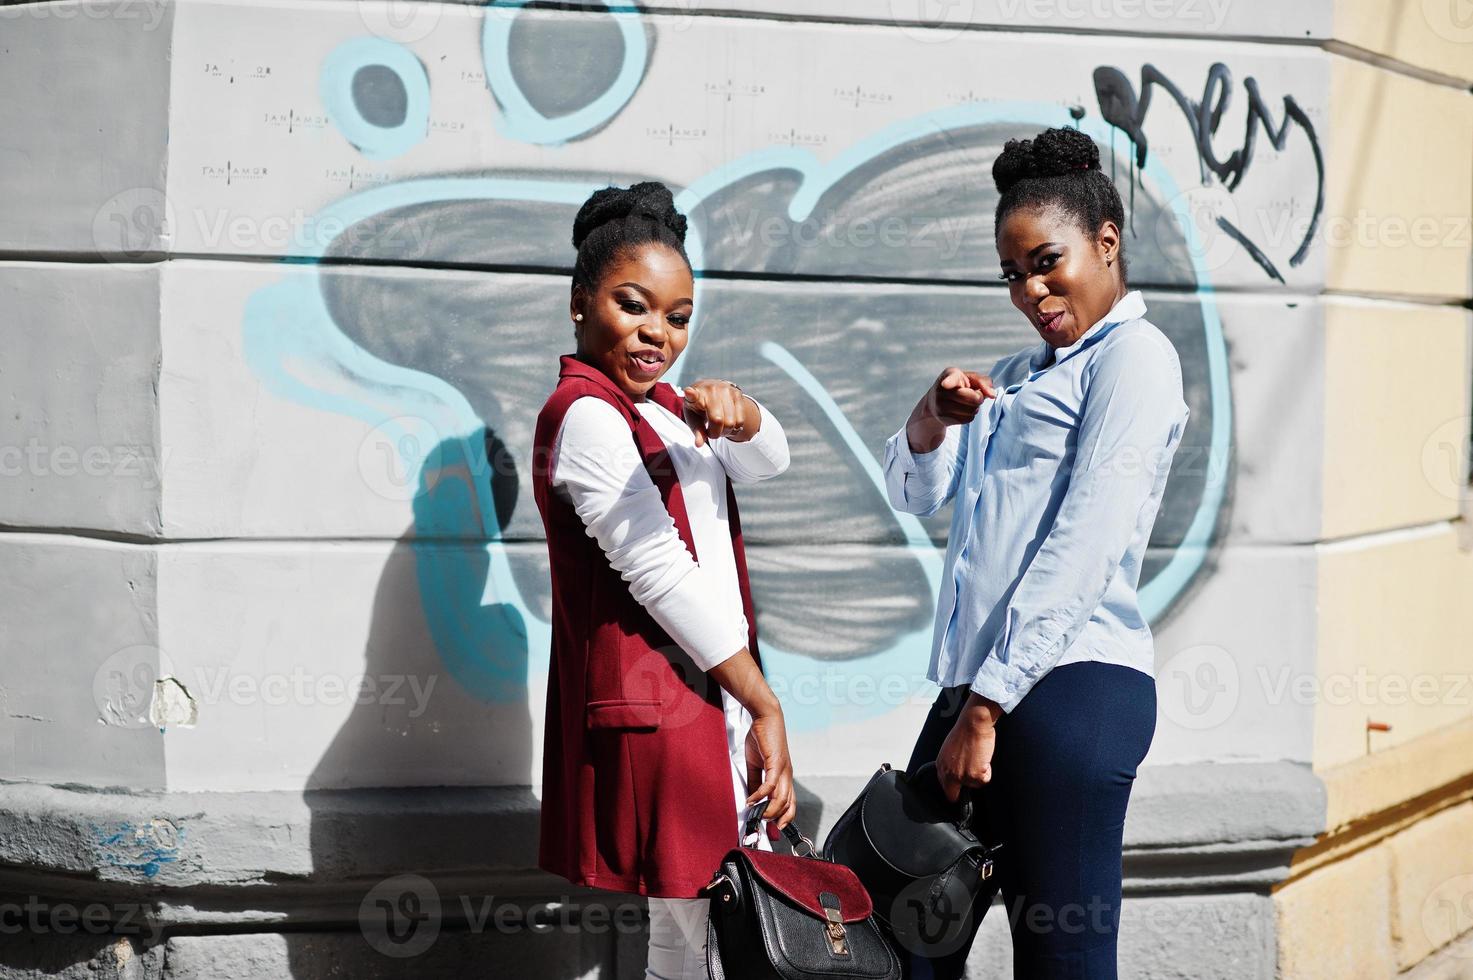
(636,319)
(1063,280)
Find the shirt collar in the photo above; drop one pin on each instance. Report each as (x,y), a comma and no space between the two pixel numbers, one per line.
(1131,306)
(662,394)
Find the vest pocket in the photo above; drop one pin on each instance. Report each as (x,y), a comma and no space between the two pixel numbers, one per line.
(624,713)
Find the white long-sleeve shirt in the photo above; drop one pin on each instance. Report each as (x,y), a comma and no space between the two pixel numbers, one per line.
(598,464)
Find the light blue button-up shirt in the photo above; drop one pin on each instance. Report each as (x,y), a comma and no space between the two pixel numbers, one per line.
(1057,483)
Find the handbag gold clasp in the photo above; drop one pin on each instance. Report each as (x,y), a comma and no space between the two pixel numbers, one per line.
(838,938)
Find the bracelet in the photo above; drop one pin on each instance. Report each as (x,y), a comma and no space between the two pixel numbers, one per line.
(743,393)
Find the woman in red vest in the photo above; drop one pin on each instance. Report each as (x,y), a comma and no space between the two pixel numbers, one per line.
(661,729)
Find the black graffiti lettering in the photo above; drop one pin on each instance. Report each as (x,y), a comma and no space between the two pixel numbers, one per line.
(1126,110)
(1253,250)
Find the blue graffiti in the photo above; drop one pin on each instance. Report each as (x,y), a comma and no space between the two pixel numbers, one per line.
(486,635)
(140,849)
(340,72)
(521,120)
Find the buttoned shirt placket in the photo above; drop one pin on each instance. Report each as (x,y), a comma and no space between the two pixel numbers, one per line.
(996,409)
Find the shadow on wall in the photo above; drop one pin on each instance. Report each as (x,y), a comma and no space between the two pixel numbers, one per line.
(424,825)
(403,823)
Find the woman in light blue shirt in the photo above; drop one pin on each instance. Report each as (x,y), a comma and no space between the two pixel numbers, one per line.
(1055,463)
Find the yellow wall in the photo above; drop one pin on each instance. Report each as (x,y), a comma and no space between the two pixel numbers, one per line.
(1434,35)
(1396,618)
(1395,587)
(1384,908)
(1399,183)
(1390,881)
(1396,415)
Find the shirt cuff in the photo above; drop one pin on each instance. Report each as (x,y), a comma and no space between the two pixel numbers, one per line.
(763,435)
(1003,683)
(924,465)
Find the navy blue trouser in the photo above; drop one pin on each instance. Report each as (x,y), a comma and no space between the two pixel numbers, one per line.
(1062,769)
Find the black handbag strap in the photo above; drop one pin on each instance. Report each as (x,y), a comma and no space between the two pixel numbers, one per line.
(795,836)
(938,887)
(927,773)
(799,839)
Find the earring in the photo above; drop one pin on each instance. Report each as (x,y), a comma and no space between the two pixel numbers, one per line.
(578,317)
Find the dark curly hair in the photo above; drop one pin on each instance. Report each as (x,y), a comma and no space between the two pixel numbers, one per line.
(615,220)
(1058,168)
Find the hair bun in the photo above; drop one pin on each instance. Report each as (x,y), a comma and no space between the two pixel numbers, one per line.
(650,199)
(1052,153)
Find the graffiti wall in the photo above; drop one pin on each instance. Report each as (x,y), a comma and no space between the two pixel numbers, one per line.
(370,219)
(283,284)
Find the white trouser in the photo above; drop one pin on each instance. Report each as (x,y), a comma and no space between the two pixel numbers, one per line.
(677,948)
(677,939)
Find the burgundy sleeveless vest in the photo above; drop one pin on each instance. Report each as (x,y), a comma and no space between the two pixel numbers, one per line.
(637,790)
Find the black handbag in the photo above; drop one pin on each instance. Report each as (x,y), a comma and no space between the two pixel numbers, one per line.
(781,916)
(929,874)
